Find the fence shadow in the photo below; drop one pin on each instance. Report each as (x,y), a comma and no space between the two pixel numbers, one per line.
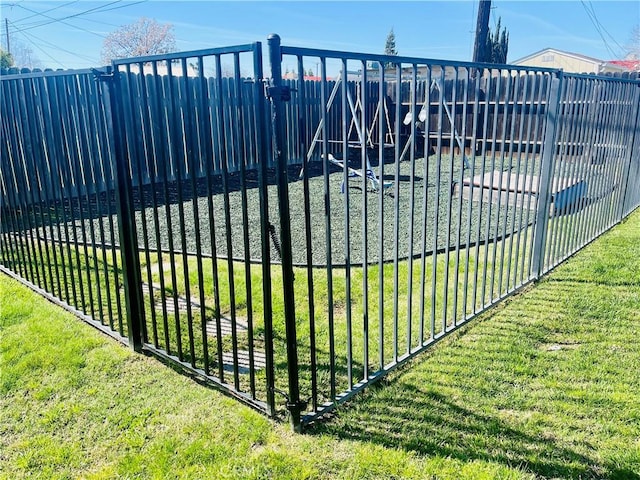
(443,407)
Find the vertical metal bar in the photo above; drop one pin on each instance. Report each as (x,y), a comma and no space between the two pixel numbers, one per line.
(96,158)
(463,135)
(148,135)
(503,145)
(563,137)
(176,137)
(9,239)
(103,206)
(227,150)
(262,159)
(126,220)
(447,246)
(364,164)
(37,131)
(412,167)
(17,210)
(190,136)
(242,150)
(473,149)
(89,158)
(542,98)
(513,104)
(327,215)
(137,154)
(571,210)
(525,117)
(164,136)
(594,111)
(294,404)
(204,130)
(347,241)
(111,186)
(22,190)
(625,120)
(79,174)
(396,213)
(601,112)
(494,143)
(302,135)
(382,132)
(425,203)
(634,138)
(436,220)
(544,192)
(182,161)
(485,126)
(217,112)
(583,170)
(66,173)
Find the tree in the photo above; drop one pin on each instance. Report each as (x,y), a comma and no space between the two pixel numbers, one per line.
(390,46)
(497,45)
(144,37)
(21,55)
(632,48)
(6,59)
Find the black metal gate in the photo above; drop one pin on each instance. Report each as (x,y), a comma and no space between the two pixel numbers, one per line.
(181,129)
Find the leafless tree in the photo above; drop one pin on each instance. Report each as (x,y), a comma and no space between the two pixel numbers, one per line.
(633,47)
(144,37)
(21,54)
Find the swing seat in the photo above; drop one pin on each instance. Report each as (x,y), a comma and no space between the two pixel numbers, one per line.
(352,172)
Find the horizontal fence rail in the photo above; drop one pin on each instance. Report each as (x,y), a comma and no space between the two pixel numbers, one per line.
(292,241)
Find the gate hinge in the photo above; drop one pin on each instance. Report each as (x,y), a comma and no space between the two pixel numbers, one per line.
(103,76)
(282,93)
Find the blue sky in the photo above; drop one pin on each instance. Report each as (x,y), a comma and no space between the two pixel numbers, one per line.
(68,35)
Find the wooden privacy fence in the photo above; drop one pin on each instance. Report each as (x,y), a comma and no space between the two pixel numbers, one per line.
(59,118)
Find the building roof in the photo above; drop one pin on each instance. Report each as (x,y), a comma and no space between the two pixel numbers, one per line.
(631,65)
(597,61)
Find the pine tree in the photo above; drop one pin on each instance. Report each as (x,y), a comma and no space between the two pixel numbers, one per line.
(390,46)
(497,45)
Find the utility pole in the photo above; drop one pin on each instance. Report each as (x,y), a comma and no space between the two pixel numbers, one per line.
(482,31)
(6,29)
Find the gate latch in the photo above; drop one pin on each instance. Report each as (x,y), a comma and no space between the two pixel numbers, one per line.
(102,76)
(282,93)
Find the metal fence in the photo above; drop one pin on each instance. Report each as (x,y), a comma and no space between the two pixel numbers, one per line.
(293,241)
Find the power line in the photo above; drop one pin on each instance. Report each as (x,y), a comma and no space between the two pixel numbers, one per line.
(85,12)
(599,27)
(46,11)
(26,36)
(603,28)
(59,20)
(57,47)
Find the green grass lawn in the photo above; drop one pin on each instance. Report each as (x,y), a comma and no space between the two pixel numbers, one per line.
(543,386)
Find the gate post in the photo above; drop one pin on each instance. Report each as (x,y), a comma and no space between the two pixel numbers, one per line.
(278,94)
(546,174)
(126,213)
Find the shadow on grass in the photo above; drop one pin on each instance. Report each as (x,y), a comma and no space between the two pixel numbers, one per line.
(429,423)
(481,404)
